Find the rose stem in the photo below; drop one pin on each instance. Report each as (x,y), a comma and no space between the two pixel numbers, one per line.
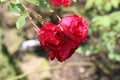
(30,18)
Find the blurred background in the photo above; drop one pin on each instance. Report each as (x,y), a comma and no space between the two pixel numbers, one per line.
(22,57)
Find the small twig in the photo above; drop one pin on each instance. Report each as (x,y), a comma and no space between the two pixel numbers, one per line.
(35,26)
(37,17)
(30,18)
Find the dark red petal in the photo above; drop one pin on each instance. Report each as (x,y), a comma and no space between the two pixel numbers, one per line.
(66,50)
(56,2)
(51,55)
(50,36)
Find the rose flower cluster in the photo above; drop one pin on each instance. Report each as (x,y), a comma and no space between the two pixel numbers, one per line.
(62,40)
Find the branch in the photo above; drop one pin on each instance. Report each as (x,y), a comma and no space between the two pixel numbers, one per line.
(30,18)
(52,68)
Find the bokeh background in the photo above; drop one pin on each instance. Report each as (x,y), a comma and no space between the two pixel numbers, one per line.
(22,57)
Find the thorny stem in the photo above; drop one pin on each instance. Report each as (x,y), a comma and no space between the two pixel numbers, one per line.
(36,28)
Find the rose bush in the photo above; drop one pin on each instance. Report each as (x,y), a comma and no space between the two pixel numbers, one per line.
(63,40)
(60,2)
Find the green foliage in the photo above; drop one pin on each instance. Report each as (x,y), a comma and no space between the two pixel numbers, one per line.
(115,3)
(108,27)
(6,69)
(35,2)
(104,29)
(89,4)
(21,21)
(18,9)
(40,3)
(15,8)
(102,5)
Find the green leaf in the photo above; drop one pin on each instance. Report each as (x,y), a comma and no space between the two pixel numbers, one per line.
(35,2)
(15,9)
(115,3)
(89,4)
(114,56)
(21,21)
(79,50)
(102,20)
(43,4)
(117,57)
(108,6)
(88,53)
(99,3)
(106,21)
(115,15)
(111,56)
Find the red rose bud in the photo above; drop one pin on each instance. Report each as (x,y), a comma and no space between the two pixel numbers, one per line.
(53,39)
(60,2)
(75,27)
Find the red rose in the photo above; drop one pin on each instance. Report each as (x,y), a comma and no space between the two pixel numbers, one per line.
(53,39)
(63,40)
(75,28)
(60,2)
(50,36)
